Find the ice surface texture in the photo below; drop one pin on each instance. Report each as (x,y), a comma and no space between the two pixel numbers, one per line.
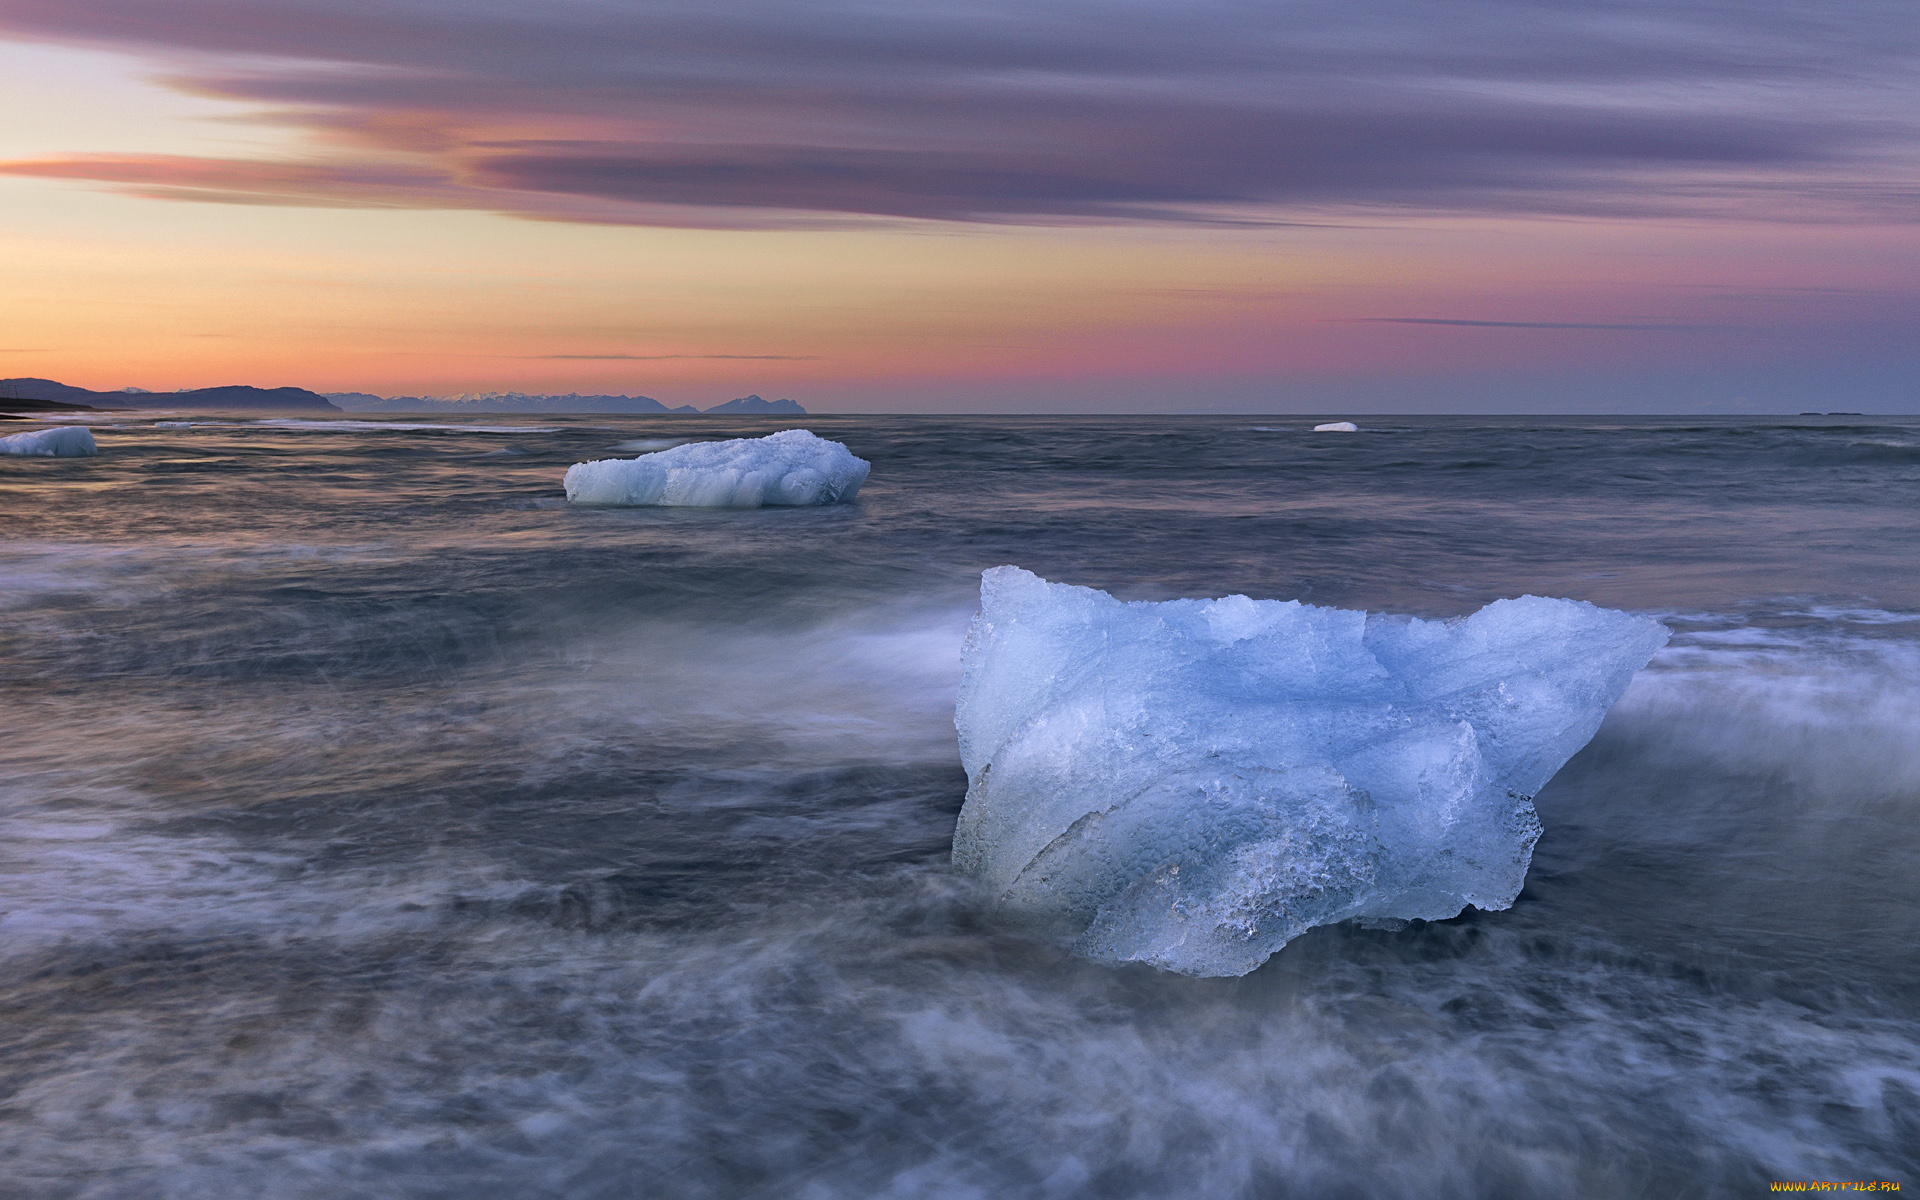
(1192,784)
(789,467)
(71,441)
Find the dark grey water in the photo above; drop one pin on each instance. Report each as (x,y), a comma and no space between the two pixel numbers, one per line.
(372,824)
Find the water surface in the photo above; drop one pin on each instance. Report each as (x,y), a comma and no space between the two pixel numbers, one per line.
(374,824)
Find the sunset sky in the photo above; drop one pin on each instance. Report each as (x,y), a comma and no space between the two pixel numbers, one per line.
(1423,206)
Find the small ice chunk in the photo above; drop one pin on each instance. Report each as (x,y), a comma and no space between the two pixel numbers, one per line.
(1194,783)
(72,441)
(1337,427)
(790,467)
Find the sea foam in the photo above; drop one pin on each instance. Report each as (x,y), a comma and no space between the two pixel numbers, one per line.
(792,467)
(1194,783)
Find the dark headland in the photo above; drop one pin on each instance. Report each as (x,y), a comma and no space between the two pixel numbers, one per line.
(16,395)
(13,408)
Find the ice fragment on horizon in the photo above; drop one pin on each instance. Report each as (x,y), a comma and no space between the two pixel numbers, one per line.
(1337,427)
(792,467)
(1194,783)
(71,441)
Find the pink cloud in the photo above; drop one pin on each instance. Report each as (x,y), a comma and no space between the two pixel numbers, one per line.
(768,111)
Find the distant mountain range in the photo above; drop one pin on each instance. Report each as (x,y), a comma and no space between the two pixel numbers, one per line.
(40,392)
(754,404)
(43,395)
(572,402)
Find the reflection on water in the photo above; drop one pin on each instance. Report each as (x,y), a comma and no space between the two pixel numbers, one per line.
(372,824)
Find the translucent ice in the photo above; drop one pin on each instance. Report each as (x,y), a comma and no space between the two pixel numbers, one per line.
(71,441)
(1194,783)
(789,467)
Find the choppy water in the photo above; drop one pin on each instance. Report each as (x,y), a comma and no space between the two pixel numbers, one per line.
(374,825)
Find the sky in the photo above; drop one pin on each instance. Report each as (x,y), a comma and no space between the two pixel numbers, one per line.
(1498,206)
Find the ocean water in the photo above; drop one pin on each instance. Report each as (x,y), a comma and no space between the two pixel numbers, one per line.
(373,824)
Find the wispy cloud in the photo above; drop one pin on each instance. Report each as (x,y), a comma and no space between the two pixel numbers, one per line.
(663,357)
(765,112)
(1646,326)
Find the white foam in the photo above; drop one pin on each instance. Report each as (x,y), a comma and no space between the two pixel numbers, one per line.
(1192,784)
(95,418)
(792,467)
(67,442)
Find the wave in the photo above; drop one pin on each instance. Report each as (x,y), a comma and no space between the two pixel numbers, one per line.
(638,888)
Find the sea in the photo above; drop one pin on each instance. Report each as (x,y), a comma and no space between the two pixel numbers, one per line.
(374,824)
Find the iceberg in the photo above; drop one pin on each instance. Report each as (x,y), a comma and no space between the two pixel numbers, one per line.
(1192,784)
(72,441)
(790,467)
(1337,427)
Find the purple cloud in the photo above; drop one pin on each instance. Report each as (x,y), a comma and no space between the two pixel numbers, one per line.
(767,112)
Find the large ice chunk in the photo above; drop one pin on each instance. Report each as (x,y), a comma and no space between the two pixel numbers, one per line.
(789,467)
(1192,784)
(70,441)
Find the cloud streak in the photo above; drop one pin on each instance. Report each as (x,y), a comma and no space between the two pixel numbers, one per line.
(770,112)
(1641,327)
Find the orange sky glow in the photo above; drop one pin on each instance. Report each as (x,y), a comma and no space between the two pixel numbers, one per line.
(165,231)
